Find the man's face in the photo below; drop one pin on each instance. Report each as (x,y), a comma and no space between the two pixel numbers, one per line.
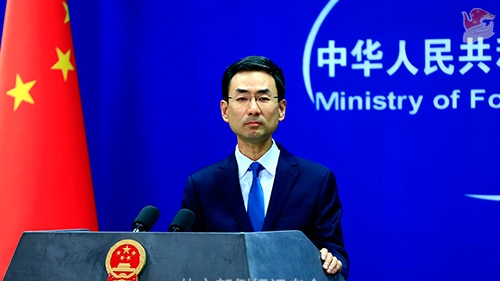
(253,110)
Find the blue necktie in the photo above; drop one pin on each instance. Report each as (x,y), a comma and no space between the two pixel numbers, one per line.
(256,199)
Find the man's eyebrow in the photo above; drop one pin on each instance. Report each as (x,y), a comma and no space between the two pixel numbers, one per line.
(261,91)
(239,90)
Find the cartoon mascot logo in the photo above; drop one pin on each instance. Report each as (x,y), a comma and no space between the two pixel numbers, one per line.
(478,24)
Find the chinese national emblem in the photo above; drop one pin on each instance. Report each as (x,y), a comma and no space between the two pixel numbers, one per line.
(125,260)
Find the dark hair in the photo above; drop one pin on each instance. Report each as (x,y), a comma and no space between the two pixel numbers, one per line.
(254,63)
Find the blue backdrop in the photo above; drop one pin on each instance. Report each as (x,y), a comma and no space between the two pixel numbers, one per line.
(385,93)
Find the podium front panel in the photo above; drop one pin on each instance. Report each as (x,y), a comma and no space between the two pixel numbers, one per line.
(80,255)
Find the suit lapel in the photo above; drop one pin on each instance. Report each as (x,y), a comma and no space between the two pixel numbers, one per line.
(286,174)
(229,181)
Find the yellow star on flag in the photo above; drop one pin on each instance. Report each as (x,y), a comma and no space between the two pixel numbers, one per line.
(66,19)
(21,92)
(63,63)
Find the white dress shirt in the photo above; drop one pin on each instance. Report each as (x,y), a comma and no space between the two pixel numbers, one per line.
(269,161)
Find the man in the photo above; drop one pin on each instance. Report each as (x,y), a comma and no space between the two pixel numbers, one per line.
(290,193)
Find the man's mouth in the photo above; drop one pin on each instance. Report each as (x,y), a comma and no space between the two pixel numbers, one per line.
(252,123)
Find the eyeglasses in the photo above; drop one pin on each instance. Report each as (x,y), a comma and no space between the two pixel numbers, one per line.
(244,99)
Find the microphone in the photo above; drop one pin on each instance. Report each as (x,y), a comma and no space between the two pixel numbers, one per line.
(146,219)
(182,221)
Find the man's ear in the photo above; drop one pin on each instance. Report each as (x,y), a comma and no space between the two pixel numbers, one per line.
(282,109)
(223,110)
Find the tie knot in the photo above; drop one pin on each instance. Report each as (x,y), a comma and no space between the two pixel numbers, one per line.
(256,167)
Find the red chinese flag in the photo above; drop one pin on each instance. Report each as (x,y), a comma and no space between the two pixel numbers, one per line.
(45,180)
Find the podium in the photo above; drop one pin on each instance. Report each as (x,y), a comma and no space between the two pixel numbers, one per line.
(82,255)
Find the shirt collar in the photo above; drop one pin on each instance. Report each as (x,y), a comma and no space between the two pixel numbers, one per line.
(269,160)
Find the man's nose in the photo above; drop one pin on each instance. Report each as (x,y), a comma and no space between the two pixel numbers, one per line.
(253,105)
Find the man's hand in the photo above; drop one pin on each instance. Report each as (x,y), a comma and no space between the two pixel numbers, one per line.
(331,264)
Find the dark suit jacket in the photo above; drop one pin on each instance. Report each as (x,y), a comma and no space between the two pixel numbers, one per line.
(304,197)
